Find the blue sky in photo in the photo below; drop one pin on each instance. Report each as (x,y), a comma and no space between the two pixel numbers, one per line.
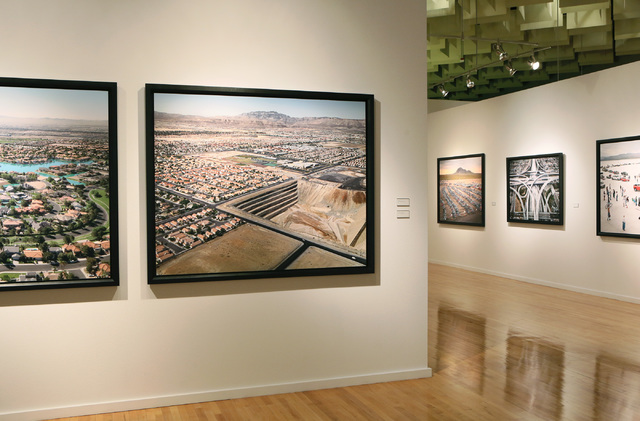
(619,148)
(223,105)
(53,103)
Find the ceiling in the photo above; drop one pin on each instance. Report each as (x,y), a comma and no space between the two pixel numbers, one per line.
(568,37)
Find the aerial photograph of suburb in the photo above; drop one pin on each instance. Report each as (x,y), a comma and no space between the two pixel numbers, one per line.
(258,184)
(54,185)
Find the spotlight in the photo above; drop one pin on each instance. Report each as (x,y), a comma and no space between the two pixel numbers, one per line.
(510,68)
(470,83)
(535,64)
(502,55)
(442,91)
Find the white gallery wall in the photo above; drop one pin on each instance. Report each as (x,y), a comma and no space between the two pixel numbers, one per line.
(75,351)
(568,117)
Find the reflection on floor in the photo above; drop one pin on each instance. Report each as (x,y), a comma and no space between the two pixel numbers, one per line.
(511,350)
(500,350)
(535,371)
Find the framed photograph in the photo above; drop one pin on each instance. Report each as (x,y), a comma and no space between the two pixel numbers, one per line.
(461,190)
(58,192)
(618,191)
(254,183)
(535,187)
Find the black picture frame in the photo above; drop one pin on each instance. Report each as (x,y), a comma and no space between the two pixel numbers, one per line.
(618,187)
(58,184)
(535,189)
(461,190)
(257,183)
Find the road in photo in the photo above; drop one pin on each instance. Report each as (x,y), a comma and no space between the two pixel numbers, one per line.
(242,186)
(54,185)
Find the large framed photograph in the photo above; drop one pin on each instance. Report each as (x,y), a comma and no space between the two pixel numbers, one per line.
(58,192)
(618,191)
(254,183)
(535,187)
(461,190)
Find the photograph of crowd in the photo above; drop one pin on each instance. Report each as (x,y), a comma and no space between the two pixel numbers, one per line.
(618,202)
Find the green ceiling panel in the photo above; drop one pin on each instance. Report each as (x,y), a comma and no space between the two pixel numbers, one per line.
(568,37)
(531,76)
(628,47)
(626,9)
(508,83)
(603,57)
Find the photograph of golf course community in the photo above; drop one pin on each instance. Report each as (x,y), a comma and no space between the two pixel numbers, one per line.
(460,195)
(619,188)
(253,184)
(54,185)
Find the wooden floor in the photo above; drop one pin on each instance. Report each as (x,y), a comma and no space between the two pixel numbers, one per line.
(500,350)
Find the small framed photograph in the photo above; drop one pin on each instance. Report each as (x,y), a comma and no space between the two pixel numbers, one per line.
(58,184)
(461,190)
(253,183)
(618,187)
(535,187)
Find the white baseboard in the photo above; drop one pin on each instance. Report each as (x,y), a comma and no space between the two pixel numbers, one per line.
(597,293)
(215,395)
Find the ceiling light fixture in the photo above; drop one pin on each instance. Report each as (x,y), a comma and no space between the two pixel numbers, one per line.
(535,64)
(509,67)
(439,86)
(502,55)
(470,83)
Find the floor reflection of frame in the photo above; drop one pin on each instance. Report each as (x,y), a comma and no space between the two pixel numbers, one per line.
(617,389)
(535,375)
